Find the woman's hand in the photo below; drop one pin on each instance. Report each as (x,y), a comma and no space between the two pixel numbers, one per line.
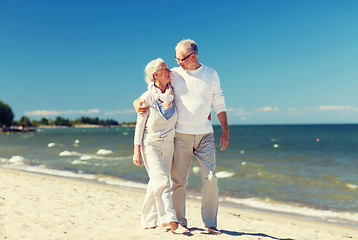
(137,156)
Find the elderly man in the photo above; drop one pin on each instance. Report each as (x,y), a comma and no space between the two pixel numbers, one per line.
(196,88)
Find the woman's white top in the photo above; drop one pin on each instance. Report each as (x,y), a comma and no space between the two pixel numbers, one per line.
(153,126)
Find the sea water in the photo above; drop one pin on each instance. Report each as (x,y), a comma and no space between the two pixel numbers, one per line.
(309,170)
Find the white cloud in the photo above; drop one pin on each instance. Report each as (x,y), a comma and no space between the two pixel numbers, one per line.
(64,112)
(337,108)
(239,112)
(70,112)
(267,109)
(94,111)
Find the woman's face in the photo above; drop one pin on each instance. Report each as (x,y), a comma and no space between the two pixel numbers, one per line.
(164,74)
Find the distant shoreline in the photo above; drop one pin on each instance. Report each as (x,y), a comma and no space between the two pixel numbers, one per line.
(75,126)
(24,129)
(17,129)
(86,126)
(21,129)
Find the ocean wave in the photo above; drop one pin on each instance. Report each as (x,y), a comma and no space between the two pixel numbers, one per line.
(78,162)
(104,152)
(54,144)
(16,160)
(125,157)
(220,174)
(224,174)
(43,170)
(352,186)
(121,182)
(87,157)
(83,157)
(79,175)
(50,145)
(68,153)
(267,204)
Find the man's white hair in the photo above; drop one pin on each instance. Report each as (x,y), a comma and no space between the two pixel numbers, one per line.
(151,68)
(188,45)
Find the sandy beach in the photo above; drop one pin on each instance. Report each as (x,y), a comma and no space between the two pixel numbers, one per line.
(42,207)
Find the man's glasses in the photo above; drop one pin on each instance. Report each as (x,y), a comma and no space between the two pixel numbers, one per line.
(181,60)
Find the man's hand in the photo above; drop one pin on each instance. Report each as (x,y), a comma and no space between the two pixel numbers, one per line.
(139,106)
(224,140)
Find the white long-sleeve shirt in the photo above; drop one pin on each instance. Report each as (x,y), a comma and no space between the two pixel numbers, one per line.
(195,91)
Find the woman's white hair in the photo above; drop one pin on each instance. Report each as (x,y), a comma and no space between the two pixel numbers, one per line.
(188,45)
(151,68)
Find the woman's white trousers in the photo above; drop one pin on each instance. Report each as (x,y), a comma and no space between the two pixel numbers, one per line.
(158,206)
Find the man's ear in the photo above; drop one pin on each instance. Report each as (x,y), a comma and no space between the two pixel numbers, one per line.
(195,57)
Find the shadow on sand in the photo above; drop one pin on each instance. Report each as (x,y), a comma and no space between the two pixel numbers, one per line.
(235,233)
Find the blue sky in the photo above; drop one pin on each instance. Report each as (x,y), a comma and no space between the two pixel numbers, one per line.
(279,61)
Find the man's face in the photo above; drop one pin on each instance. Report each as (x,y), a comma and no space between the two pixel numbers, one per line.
(185,59)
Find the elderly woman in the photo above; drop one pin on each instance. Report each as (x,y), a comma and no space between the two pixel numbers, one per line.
(154,146)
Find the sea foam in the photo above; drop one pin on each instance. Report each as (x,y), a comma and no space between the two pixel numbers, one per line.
(221,174)
(122,183)
(352,186)
(224,174)
(50,145)
(68,153)
(87,157)
(328,215)
(104,152)
(43,170)
(53,144)
(16,160)
(78,162)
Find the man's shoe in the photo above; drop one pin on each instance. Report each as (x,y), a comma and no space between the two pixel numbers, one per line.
(213,230)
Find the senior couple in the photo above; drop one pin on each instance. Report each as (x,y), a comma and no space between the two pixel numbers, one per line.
(173,124)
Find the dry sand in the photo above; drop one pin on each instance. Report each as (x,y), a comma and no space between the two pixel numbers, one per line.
(41,207)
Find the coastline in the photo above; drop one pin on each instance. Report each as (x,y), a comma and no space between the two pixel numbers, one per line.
(38,206)
(349,219)
(21,129)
